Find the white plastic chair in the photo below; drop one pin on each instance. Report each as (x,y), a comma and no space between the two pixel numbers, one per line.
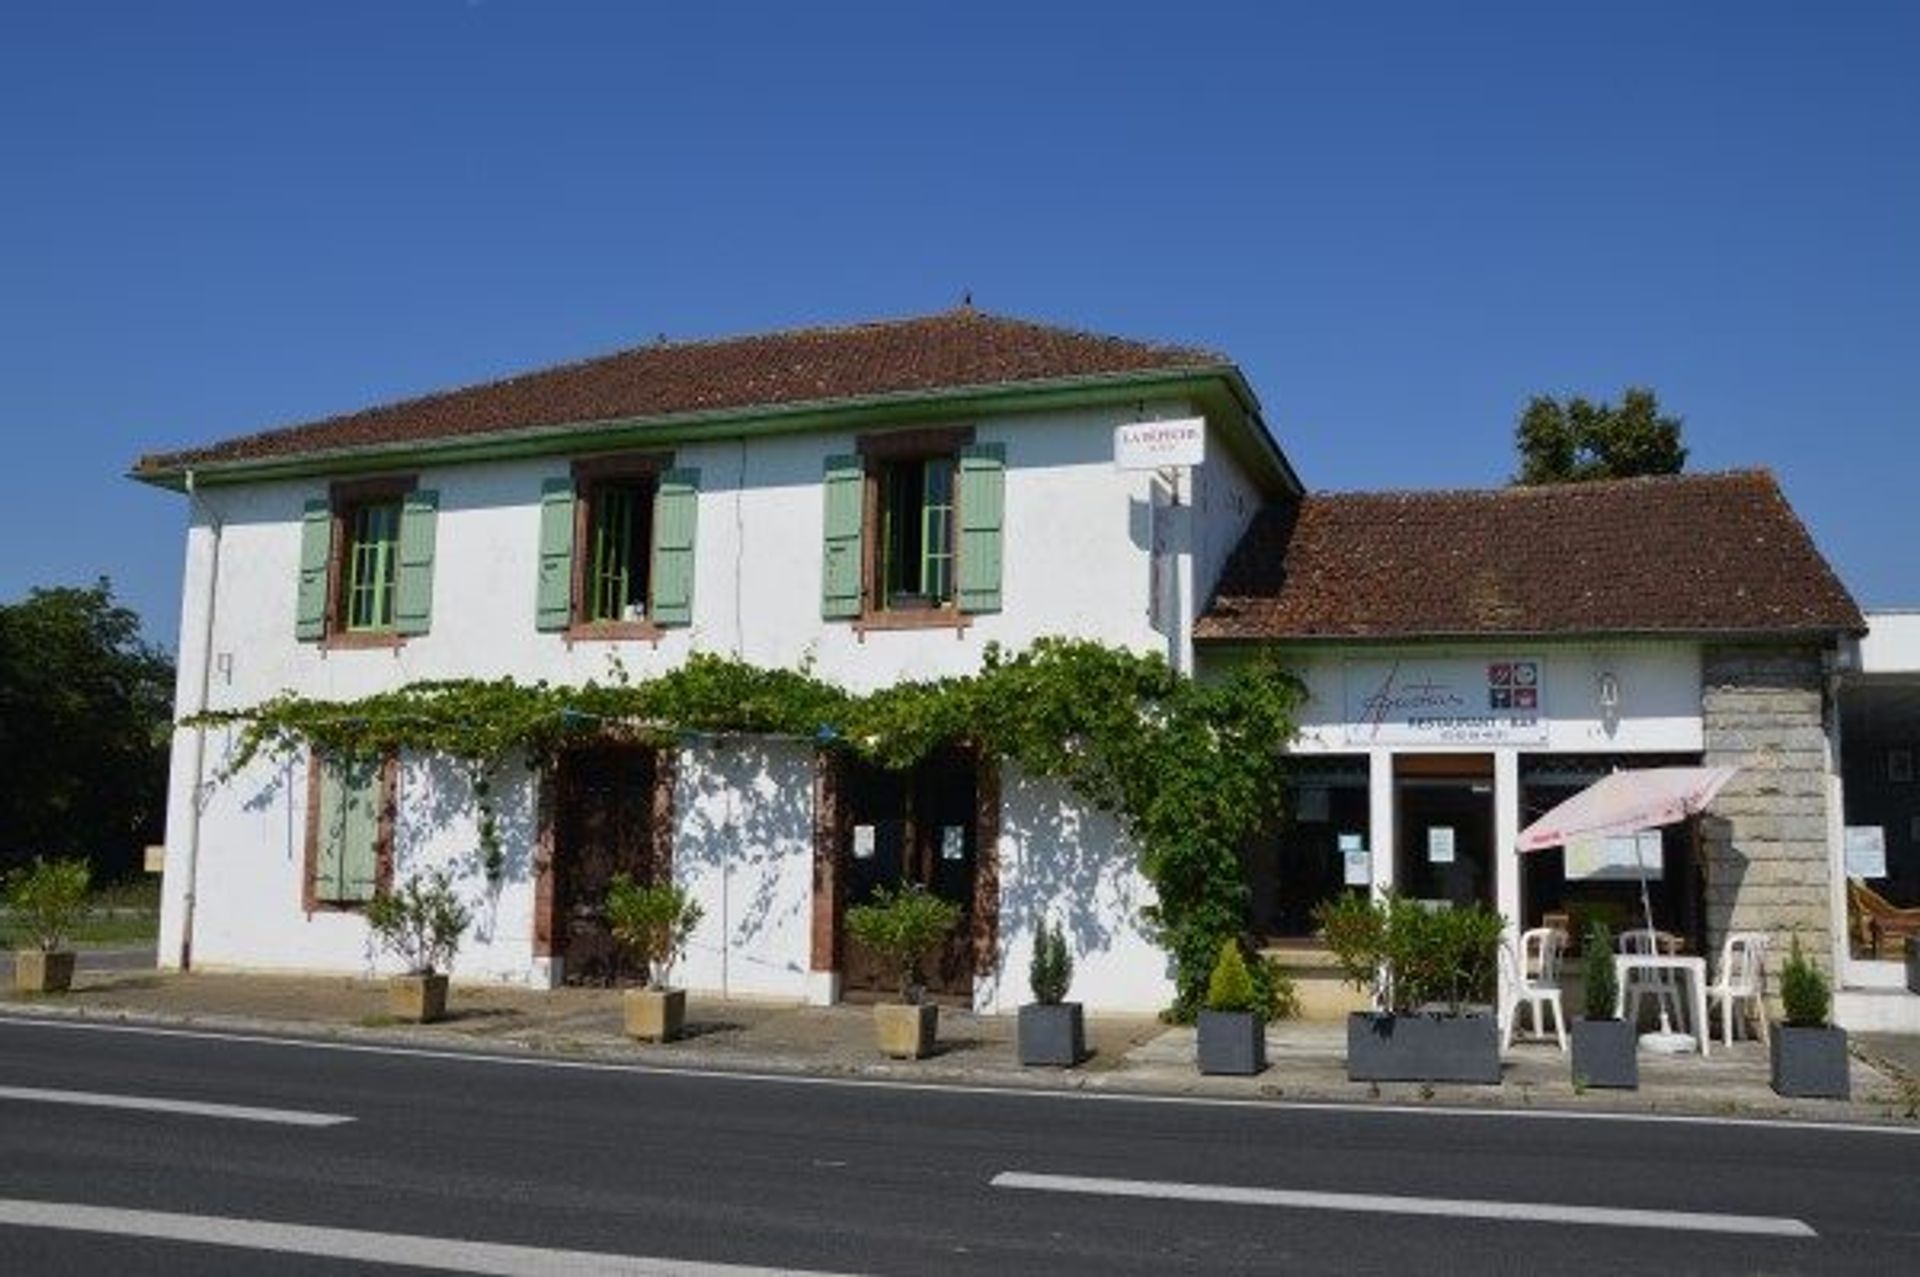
(1658,985)
(1532,980)
(1742,978)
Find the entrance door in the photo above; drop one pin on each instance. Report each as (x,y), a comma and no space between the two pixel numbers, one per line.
(1446,828)
(912,827)
(603,825)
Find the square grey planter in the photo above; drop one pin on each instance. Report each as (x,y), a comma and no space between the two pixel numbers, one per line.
(1233,1042)
(1913,964)
(1606,1053)
(1810,1063)
(1423,1048)
(1052,1035)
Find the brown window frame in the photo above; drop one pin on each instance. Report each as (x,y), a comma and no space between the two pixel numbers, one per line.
(343,499)
(589,474)
(918,444)
(383,840)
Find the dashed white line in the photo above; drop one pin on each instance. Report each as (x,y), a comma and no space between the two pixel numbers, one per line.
(185,1108)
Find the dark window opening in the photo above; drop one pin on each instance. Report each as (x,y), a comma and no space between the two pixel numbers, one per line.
(916,533)
(372,560)
(619,538)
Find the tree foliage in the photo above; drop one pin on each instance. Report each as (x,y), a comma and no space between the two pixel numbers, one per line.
(1578,440)
(85,721)
(1193,768)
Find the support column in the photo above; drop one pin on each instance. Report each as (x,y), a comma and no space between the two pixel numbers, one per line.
(1381,834)
(1506,838)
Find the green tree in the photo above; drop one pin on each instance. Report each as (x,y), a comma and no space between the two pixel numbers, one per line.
(85,721)
(1578,440)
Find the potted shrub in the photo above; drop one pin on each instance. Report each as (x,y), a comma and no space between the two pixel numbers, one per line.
(1809,1054)
(1231,1032)
(47,899)
(1430,972)
(1052,1030)
(421,923)
(900,928)
(653,924)
(1913,964)
(1606,1048)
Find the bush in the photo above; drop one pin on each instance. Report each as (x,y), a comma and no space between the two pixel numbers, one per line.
(1273,991)
(1803,990)
(653,923)
(1409,956)
(421,922)
(1230,987)
(902,928)
(1051,972)
(1603,987)
(48,898)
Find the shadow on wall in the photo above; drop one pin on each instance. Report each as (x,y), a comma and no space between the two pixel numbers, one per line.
(437,824)
(744,827)
(1066,863)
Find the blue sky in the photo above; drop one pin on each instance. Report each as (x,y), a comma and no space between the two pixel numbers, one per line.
(1401,220)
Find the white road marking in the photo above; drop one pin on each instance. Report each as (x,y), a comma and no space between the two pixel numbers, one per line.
(442,1254)
(1383,1204)
(186,1108)
(1489,1112)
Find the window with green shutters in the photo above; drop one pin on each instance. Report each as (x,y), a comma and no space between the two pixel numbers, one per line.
(349,829)
(616,548)
(366,564)
(913,528)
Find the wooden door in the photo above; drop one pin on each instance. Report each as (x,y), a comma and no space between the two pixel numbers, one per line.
(604,825)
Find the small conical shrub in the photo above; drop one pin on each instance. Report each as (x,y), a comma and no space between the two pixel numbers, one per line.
(1230,987)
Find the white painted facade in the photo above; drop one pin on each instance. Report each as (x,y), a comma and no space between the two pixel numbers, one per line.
(1077,553)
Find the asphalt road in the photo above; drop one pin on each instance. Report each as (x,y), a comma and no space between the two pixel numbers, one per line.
(541,1157)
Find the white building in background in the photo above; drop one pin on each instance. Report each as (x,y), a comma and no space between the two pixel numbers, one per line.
(880,502)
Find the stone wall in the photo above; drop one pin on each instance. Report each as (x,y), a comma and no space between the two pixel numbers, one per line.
(1766,835)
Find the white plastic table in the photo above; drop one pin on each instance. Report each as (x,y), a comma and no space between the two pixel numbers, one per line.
(1693,968)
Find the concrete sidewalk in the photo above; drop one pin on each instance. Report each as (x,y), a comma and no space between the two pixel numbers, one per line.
(1130,1054)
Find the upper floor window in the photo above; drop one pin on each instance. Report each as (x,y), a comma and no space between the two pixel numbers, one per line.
(616,547)
(913,529)
(366,563)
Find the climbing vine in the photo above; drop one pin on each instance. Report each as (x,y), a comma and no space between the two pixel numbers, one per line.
(1191,767)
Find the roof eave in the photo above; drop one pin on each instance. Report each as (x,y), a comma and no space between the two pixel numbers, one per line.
(1221,385)
(1728,634)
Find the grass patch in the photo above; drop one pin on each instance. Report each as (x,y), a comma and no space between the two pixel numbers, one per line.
(118,913)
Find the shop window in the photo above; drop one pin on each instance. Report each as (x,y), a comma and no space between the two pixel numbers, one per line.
(1293,868)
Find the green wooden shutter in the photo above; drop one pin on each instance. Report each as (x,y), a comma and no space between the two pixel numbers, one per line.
(676,508)
(554,605)
(846,509)
(359,853)
(316,547)
(983,470)
(413,585)
(330,827)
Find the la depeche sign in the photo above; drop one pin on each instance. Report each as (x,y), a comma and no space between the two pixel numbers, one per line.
(1155,445)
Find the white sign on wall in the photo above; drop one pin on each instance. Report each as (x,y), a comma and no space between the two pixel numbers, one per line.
(1446,701)
(1153,445)
(1616,858)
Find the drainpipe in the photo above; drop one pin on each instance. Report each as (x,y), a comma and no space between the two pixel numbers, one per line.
(199,733)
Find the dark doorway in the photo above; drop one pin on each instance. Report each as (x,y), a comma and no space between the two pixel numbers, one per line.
(605,822)
(1445,821)
(917,826)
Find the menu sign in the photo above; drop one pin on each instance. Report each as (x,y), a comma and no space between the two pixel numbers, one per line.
(1446,701)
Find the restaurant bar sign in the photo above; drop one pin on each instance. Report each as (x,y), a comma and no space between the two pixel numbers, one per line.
(1451,701)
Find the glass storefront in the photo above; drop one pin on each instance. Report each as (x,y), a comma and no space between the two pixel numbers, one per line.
(1291,871)
(1879,754)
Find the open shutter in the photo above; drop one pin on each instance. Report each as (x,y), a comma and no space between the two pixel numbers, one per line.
(554,605)
(413,585)
(983,469)
(359,853)
(316,547)
(676,507)
(846,501)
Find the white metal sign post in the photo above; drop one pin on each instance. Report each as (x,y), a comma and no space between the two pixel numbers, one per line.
(1165,448)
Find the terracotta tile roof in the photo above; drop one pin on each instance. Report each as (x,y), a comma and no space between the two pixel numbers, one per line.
(955,349)
(1709,553)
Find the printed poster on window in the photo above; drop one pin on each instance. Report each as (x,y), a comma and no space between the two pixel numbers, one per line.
(1357,861)
(953,842)
(1446,701)
(1866,851)
(1440,844)
(863,842)
(1619,858)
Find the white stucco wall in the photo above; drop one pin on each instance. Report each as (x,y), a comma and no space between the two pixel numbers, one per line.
(1076,562)
(1061,859)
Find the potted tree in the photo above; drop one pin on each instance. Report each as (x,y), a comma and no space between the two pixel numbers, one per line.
(1430,972)
(1052,1030)
(1605,1047)
(421,923)
(1809,1054)
(46,898)
(901,928)
(653,923)
(1231,1032)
